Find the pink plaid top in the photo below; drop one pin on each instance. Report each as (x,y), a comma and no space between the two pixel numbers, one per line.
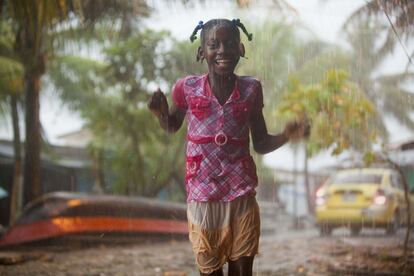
(218,164)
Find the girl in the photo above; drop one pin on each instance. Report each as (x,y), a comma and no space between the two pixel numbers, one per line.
(221,108)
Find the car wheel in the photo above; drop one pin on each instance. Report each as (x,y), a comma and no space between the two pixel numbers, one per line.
(355,230)
(393,225)
(325,230)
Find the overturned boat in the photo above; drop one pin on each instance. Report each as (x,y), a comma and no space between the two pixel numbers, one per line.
(62,213)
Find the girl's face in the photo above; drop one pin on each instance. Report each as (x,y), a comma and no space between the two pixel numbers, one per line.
(221,50)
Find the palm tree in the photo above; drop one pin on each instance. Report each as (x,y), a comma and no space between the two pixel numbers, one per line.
(11,88)
(366,57)
(34,23)
(399,14)
(363,58)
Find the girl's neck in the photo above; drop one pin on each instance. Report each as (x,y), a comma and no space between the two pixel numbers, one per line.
(222,86)
(221,82)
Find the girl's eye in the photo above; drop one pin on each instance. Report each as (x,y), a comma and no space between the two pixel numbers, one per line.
(212,45)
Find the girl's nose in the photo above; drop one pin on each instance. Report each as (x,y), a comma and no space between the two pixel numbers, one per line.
(222,48)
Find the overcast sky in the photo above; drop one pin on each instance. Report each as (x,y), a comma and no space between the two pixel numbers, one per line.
(322,17)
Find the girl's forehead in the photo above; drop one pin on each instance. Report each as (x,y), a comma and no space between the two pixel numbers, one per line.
(226,32)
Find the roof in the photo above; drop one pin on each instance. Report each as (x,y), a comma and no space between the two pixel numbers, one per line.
(79,138)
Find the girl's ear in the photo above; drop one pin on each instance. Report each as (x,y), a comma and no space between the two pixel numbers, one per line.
(241,49)
(200,54)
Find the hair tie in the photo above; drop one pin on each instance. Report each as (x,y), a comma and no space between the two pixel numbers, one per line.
(237,23)
(197,28)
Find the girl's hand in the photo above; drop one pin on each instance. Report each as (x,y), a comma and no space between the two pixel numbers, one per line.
(158,104)
(296,130)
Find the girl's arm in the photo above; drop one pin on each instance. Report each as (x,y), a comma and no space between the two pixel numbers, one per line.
(263,142)
(170,119)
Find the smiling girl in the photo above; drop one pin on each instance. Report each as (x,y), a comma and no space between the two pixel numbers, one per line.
(222,108)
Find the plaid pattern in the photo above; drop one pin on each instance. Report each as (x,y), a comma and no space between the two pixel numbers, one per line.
(218,173)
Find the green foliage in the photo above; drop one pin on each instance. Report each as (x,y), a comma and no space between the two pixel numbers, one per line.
(182,61)
(111,96)
(11,76)
(11,70)
(339,112)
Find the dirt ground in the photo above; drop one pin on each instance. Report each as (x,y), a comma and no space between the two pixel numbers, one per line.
(283,251)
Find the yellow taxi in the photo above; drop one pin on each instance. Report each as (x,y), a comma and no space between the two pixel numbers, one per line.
(361,197)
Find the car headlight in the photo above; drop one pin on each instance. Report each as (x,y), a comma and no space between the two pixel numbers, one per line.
(380,197)
(320,197)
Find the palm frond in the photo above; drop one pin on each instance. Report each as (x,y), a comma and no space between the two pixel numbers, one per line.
(6,47)
(398,103)
(404,17)
(399,12)
(75,79)
(409,62)
(388,45)
(363,35)
(11,76)
(94,10)
(399,115)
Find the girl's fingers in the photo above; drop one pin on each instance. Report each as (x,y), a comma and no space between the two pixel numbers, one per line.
(298,129)
(158,103)
(155,101)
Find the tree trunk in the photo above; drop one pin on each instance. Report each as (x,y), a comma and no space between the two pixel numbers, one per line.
(408,210)
(295,188)
(309,197)
(98,168)
(32,183)
(408,204)
(16,194)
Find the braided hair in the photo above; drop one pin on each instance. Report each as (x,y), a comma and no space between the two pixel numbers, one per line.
(235,24)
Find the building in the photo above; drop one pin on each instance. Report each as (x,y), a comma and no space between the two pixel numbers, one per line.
(63,168)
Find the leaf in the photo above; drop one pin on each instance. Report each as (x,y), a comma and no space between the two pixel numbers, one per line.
(369,158)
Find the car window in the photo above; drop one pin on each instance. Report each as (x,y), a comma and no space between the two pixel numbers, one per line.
(357,178)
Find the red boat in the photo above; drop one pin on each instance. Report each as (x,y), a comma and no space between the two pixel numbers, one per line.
(62,213)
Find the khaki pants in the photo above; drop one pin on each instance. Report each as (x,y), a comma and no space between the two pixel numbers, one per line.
(222,231)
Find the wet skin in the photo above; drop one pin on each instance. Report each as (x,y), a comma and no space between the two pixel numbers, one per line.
(222,52)
(240,267)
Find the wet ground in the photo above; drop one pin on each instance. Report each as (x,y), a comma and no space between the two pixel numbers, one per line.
(284,250)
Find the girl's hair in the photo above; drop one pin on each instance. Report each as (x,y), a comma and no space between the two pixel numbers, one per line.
(235,24)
